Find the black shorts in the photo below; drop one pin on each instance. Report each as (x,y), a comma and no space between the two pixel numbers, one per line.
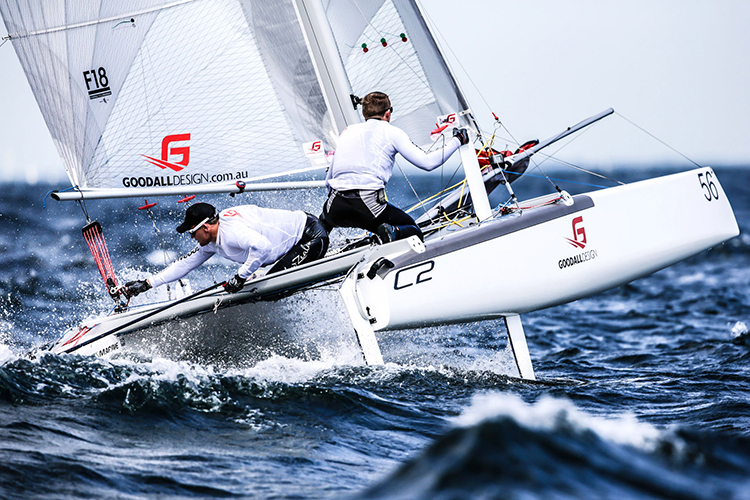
(313,245)
(363,209)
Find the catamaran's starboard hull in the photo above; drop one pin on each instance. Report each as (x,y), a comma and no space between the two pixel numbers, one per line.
(549,255)
(107,335)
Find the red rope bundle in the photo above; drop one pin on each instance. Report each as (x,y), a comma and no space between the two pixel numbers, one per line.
(94,236)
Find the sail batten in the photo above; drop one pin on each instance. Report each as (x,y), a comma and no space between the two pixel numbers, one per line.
(93,22)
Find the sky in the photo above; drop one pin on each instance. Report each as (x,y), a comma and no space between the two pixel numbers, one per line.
(678,69)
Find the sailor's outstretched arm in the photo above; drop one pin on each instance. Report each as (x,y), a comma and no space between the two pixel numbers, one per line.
(181,266)
(414,154)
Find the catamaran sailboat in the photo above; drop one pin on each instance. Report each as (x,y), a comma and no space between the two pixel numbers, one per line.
(170,98)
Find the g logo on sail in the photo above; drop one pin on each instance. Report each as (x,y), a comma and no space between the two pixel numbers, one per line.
(166,151)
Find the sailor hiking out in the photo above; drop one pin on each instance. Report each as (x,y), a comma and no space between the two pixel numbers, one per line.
(362,166)
(246,234)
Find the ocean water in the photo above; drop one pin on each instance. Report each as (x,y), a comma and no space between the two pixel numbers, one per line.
(643,391)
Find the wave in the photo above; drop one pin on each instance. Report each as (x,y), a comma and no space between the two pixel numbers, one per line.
(141,384)
(502,447)
(551,414)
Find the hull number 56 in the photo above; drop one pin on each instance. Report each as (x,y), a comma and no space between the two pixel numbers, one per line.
(707,182)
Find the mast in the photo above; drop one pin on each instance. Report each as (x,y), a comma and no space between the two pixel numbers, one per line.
(473,174)
(328,65)
(472,170)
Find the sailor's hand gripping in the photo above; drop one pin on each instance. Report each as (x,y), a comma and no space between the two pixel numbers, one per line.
(235,284)
(133,288)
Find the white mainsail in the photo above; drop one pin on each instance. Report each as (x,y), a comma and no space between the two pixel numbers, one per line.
(171,96)
(147,94)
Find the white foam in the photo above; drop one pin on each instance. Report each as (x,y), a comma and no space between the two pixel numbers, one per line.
(696,277)
(739,329)
(287,370)
(551,413)
(6,354)
(274,369)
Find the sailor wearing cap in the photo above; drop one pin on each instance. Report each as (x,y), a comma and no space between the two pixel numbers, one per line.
(246,234)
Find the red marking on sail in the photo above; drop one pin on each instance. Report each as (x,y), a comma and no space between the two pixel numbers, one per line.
(163,164)
(439,129)
(166,151)
(182,150)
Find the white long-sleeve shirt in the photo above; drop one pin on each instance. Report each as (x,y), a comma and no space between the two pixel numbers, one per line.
(247,234)
(366,151)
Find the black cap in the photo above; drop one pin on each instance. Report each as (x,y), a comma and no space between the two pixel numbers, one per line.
(196,214)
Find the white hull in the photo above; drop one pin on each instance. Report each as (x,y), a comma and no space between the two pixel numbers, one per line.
(631,231)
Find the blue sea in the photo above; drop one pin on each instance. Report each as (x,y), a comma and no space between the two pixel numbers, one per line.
(643,392)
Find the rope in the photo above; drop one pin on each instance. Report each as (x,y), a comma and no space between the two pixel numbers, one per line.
(550,202)
(421,203)
(94,237)
(44,202)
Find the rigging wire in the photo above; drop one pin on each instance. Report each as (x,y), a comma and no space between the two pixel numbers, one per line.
(468,75)
(575,167)
(569,164)
(82,204)
(545,176)
(657,139)
(548,156)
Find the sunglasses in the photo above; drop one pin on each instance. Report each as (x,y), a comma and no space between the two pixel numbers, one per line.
(193,230)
